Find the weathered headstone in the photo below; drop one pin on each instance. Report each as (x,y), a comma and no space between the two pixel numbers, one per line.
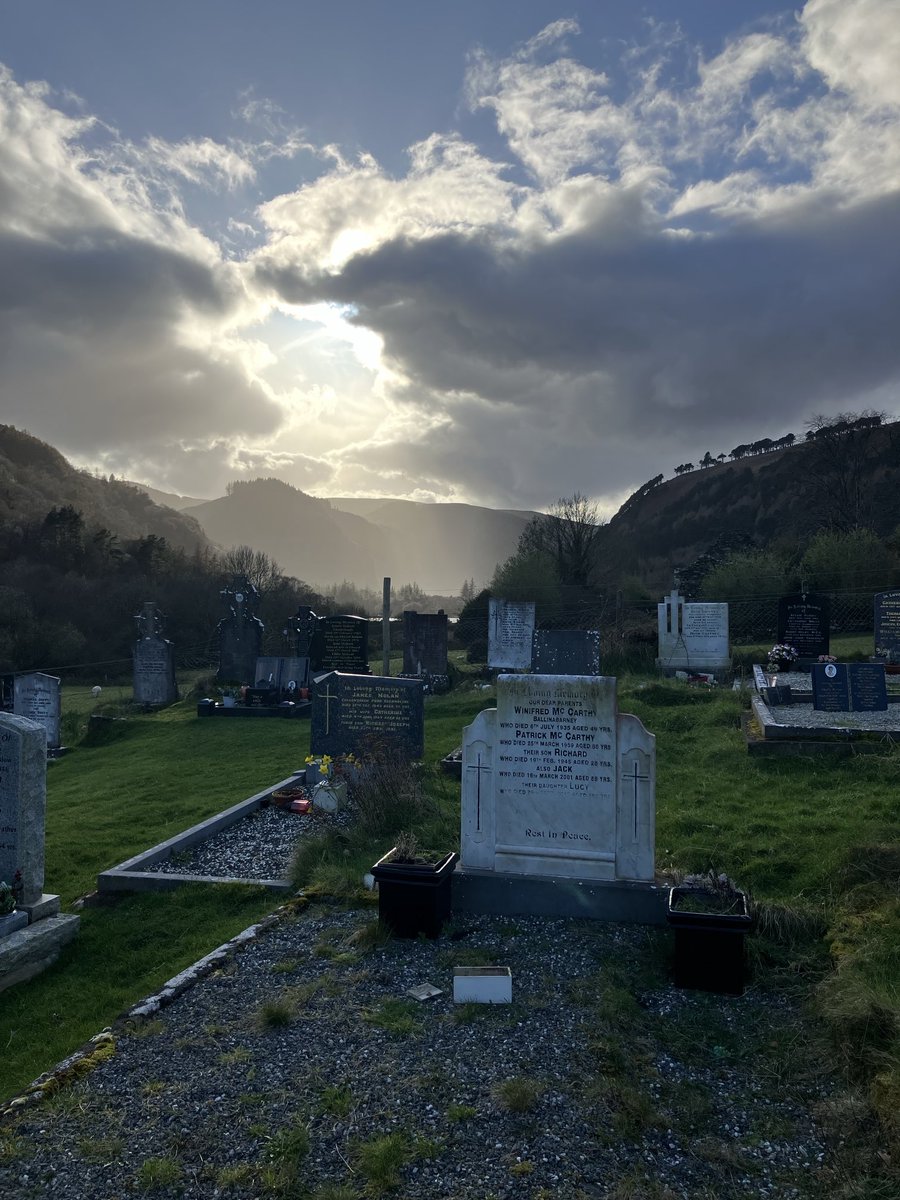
(510,633)
(240,633)
(302,628)
(566,652)
(351,712)
(153,661)
(23,799)
(849,687)
(557,782)
(38,698)
(804,622)
(425,643)
(341,643)
(887,624)
(692,636)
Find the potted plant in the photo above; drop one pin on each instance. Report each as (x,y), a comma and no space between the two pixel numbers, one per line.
(710,916)
(414,888)
(890,658)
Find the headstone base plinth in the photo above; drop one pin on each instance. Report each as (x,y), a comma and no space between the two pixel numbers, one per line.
(626,901)
(47,906)
(27,952)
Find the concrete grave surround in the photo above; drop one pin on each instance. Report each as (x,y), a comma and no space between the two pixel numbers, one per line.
(692,637)
(557,783)
(38,698)
(510,633)
(566,652)
(23,801)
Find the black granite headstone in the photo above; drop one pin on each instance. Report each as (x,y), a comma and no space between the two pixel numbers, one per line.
(887,623)
(351,712)
(849,687)
(425,643)
(804,622)
(240,633)
(566,652)
(341,644)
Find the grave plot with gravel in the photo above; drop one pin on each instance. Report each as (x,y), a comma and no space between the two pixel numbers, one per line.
(302,1067)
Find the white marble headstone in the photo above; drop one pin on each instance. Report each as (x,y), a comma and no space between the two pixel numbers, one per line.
(37,697)
(692,636)
(556,782)
(510,633)
(23,795)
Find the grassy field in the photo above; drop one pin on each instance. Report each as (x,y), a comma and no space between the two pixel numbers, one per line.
(813,840)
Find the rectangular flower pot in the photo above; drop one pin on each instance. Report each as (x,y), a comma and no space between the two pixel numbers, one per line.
(482,985)
(709,947)
(414,898)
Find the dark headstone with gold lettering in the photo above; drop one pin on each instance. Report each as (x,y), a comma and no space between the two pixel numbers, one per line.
(424,643)
(804,622)
(341,644)
(352,714)
(887,624)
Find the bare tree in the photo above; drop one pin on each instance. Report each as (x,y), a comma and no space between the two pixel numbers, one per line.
(570,533)
(263,572)
(839,468)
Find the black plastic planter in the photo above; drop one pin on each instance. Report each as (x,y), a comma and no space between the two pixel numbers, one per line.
(709,947)
(414,898)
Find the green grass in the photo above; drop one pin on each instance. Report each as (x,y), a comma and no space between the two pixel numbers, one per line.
(814,840)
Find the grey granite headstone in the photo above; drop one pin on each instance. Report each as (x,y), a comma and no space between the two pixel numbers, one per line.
(350,712)
(557,782)
(425,643)
(566,652)
(153,661)
(692,636)
(804,622)
(38,697)
(510,633)
(887,624)
(23,799)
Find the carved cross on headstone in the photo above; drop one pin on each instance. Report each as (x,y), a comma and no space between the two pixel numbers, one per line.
(634,777)
(327,697)
(478,766)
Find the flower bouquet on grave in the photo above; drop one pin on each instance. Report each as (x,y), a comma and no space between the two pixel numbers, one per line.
(7,898)
(782,657)
(318,769)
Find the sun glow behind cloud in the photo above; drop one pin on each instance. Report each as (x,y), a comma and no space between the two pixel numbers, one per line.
(670,247)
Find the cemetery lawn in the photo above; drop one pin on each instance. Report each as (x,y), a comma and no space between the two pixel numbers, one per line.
(813,840)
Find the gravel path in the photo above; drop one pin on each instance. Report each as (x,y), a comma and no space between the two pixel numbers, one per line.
(258,847)
(300,1067)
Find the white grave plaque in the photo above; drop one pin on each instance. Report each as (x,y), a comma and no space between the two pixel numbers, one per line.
(693,637)
(510,633)
(556,782)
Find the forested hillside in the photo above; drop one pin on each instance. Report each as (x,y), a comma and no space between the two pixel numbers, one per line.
(80,555)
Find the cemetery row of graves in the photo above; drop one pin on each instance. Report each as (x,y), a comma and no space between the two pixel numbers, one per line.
(562,807)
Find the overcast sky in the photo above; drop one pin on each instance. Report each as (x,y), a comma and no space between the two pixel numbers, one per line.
(485,251)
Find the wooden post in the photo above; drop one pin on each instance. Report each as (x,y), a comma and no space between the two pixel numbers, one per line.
(386,627)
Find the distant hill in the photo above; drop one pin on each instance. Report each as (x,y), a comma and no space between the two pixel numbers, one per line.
(785,495)
(35,478)
(322,542)
(307,537)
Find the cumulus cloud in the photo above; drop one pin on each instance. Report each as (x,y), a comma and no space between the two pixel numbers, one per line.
(671,252)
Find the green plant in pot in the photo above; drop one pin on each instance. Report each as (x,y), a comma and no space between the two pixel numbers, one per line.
(414,888)
(710,916)
(7,898)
